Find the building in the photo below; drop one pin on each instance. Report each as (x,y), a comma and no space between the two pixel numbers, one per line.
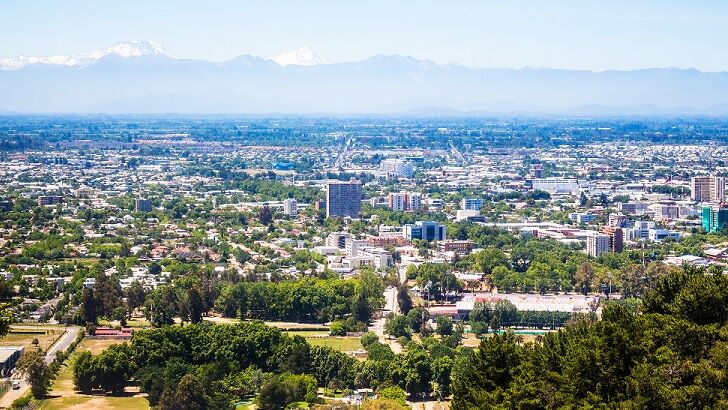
(404,201)
(597,244)
(616,238)
(143,205)
(397,167)
(707,189)
(631,207)
(715,218)
(471,203)
(536,171)
(658,235)
(582,217)
(669,212)
(9,356)
(290,207)
(343,199)
(556,185)
(459,247)
(618,220)
(425,230)
(45,200)
(338,239)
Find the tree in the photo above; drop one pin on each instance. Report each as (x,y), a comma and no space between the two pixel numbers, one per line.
(107,295)
(32,365)
(161,306)
(584,277)
(188,395)
(134,297)
(441,369)
(88,306)
(397,325)
(404,301)
(505,312)
(418,317)
(265,215)
(444,325)
(83,372)
(195,305)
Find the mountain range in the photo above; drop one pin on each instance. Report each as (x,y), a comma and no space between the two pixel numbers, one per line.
(142,77)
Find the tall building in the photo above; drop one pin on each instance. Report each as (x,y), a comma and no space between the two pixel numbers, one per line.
(536,171)
(556,185)
(715,218)
(471,203)
(616,238)
(597,244)
(404,201)
(290,207)
(707,189)
(343,199)
(398,167)
(426,230)
(143,205)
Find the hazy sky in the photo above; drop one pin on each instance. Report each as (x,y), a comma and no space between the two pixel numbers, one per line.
(596,35)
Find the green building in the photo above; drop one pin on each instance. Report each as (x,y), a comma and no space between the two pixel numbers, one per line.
(714,219)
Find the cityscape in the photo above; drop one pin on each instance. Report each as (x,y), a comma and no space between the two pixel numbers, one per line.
(309,232)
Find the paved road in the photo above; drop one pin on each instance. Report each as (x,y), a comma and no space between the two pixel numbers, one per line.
(61,344)
(390,305)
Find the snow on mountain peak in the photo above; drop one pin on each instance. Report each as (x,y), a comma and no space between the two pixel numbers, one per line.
(138,48)
(126,49)
(302,56)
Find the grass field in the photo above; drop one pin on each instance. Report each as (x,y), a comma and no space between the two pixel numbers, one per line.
(64,396)
(322,338)
(83,402)
(46,339)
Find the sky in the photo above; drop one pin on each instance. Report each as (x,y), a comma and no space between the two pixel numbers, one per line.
(592,35)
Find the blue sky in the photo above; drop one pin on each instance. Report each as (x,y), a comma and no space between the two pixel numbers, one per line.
(560,34)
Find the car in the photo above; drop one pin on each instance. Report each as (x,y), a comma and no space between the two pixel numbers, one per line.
(16,384)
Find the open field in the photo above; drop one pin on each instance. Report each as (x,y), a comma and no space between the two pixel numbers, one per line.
(64,396)
(84,402)
(96,346)
(343,344)
(24,335)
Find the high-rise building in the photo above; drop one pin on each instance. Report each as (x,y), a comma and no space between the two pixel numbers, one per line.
(404,201)
(143,205)
(616,238)
(343,199)
(426,230)
(471,203)
(290,207)
(707,189)
(398,167)
(715,218)
(597,244)
(536,171)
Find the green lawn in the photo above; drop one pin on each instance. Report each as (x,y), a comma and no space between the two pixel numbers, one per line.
(343,344)
(94,402)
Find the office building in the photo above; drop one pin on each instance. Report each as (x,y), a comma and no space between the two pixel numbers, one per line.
(597,244)
(143,205)
(616,238)
(707,189)
(715,218)
(425,230)
(404,201)
(397,167)
(471,203)
(290,207)
(459,247)
(338,239)
(582,217)
(45,200)
(343,199)
(536,171)
(631,207)
(556,185)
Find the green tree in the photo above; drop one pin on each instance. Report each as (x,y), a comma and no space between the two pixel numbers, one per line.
(32,365)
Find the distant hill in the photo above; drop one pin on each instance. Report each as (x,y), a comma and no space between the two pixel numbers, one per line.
(141,77)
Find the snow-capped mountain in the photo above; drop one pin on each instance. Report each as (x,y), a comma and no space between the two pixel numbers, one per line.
(123,49)
(141,77)
(302,56)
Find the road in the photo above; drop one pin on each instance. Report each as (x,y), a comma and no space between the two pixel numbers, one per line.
(60,345)
(390,305)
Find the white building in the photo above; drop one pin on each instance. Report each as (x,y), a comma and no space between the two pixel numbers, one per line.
(405,201)
(398,167)
(290,207)
(597,244)
(556,185)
